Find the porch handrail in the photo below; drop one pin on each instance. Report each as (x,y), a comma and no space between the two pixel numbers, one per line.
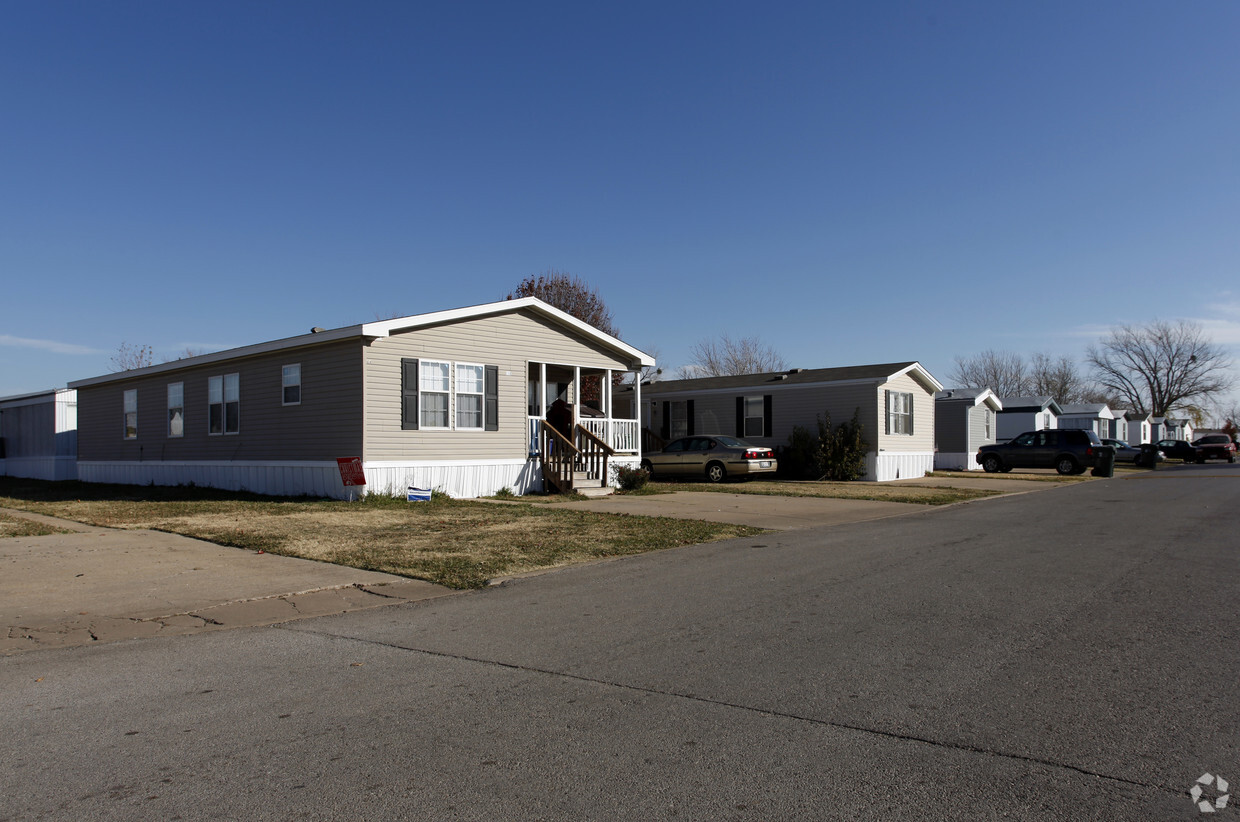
(593,453)
(559,457)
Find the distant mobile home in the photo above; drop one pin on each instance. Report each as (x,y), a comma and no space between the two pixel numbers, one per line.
(1021,414)
(895,402)
(38,435)
(453,400)
(964,420)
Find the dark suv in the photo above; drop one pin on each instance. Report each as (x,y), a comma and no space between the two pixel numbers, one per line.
(1067,450)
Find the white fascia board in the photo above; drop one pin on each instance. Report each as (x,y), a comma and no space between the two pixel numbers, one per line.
(384,328)
(919,373)
(990,398)
(301,341)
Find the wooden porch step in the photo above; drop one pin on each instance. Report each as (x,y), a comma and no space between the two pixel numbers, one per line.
(594,490)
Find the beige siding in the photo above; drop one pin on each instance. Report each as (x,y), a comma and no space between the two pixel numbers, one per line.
(327,423)
(922,438)
(509,341)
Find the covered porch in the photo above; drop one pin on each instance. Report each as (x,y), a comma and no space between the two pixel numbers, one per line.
(577,428)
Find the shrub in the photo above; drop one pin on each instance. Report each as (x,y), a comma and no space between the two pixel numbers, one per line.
(631,478)
(837,453)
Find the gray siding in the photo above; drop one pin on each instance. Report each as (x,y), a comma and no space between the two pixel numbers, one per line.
(715,412)
(952,422)
(29,430)
(509,341)
(977,427)
(327,423)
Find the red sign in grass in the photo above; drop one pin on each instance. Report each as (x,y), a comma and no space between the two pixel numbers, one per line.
(351,471)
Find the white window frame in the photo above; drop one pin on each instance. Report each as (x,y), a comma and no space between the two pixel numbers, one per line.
(286,383)
(176,404)
(457,393)
(899,417)
(445,391)
(224,386)
(129,424)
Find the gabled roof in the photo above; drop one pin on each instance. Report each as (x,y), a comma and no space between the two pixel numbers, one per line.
(973,396)
(879,373)
(1086,409)
(1136,415)
(1034,404)
(385,328)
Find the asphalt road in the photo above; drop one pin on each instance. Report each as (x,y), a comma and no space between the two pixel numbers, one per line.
(1072,654)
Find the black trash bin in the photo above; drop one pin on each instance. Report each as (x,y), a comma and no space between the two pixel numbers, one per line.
(1148,458)
(1105,466)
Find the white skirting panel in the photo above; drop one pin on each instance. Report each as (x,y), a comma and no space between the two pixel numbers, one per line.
(44,468)
(482,478)
(893,465)
(957,461)
(316,479)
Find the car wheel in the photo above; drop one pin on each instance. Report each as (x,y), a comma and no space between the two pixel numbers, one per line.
(1067,465)
(715,472)
(1007,469)
(991,464)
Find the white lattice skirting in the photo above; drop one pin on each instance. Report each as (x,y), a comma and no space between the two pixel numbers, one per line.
(888,465)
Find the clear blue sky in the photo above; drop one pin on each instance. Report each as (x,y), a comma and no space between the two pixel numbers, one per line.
(853,183)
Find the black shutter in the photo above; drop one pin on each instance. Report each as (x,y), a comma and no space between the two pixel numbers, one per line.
(409,395)
(910,414)
(740,417)
(666,428)
(490,399)
(887,411)
(689,416)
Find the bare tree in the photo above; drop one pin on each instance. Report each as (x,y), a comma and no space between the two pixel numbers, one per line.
(1161,366)
(571,295)
(726,357)
(128,357)
(1000,371)
(1058,378)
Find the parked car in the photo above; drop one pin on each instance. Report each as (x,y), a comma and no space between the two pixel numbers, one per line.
(714,456)
(1177,450)
(1215,447)
(1123,451)
(1067,450)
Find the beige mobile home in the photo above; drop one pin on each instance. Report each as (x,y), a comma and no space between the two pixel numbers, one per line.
(895,402)
(453,400)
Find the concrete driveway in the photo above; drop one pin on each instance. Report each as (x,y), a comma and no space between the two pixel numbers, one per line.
(102,584)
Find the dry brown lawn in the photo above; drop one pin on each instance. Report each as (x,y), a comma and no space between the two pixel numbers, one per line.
(459,543)
(11,526)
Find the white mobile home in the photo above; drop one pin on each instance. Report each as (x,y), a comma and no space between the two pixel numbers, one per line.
(1021,414)
(38,435)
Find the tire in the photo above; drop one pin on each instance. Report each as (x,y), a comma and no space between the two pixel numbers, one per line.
(1067,465)
(715,472)
(1007,469)
(991,464)
(647,467)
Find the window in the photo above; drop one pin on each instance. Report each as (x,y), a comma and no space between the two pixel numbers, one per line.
(753,416)
(131,414)
(469,396)
(990,415)
(899,413)
(433,391)
(679,419)
(176,409)
(290,384)
(224,404)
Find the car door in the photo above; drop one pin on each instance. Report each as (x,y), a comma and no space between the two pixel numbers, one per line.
(1021,451)
(693,461)
(668,460)
(1045,448)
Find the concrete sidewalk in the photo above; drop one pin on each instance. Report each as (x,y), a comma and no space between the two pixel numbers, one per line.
(102,584)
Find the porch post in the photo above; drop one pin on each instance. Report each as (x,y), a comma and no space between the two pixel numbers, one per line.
(542,390)
(576,393)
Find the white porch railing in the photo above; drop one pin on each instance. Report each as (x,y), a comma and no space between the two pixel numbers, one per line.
(624,436)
